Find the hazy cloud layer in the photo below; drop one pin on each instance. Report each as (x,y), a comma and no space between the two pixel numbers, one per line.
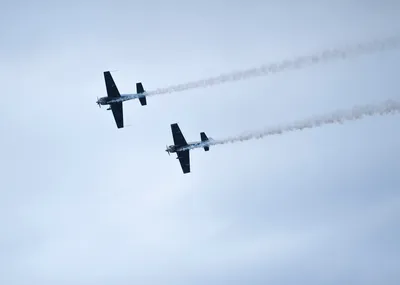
(84,203)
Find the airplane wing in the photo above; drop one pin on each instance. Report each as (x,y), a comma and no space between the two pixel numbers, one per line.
(112,90)
(184,159)
(117,110)
(179,139)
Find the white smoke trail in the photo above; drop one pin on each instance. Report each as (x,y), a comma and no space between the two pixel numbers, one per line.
(296,63)
(356,113)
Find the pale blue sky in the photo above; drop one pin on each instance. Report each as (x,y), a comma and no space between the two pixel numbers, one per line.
(82,202)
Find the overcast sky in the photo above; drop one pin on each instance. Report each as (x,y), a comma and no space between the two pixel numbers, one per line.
(82,202)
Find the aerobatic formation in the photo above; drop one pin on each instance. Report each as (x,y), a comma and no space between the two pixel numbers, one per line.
(114,99)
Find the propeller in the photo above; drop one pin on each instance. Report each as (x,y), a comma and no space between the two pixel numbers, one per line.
(98,103)
(167,150)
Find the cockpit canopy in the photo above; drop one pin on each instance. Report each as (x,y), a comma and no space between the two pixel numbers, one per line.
(101,100)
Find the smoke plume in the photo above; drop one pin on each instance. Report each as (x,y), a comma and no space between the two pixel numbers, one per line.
(296,63)
(339,117)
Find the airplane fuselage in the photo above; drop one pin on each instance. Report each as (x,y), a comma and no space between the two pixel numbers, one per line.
(173,148)
(122,98)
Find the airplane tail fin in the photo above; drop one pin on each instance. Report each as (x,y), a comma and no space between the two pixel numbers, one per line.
(204,138)
(139,90)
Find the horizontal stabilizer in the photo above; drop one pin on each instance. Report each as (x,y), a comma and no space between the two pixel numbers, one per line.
(140,90)
(204,138)
(143,100)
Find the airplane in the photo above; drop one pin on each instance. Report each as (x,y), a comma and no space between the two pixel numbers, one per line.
(115,99)
(182,148)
